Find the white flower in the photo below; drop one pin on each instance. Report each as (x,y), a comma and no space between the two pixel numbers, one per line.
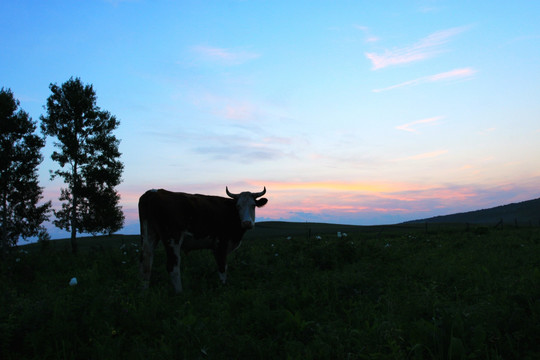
(73,281)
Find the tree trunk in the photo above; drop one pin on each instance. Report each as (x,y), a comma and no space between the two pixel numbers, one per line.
(74,230)
(74,210)
(4,239)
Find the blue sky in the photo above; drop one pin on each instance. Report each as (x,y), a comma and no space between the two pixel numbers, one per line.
(357,112)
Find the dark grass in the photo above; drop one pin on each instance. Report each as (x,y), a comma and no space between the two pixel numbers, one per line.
(396,292)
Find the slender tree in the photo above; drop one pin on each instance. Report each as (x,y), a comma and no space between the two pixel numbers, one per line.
(20,147)
(88,157)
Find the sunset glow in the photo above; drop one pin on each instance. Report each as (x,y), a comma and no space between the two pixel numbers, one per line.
(348,112)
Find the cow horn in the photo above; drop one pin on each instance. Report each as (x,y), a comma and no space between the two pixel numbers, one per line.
(256,195)
(234,196)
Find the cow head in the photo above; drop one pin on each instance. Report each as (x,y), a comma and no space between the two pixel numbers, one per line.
(245,204)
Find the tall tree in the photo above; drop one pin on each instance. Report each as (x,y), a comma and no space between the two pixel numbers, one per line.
(88,157)
(20,147)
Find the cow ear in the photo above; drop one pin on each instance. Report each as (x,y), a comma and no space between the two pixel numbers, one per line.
(261,202)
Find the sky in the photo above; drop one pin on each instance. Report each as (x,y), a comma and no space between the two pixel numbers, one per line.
(349,112)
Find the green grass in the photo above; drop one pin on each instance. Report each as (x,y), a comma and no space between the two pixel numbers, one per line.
(395,292)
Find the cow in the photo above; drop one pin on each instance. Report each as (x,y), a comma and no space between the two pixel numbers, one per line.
(192,222)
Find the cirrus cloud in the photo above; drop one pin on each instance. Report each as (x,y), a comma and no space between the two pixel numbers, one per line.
(411,127)
(224,56)
(423,49)
(456,74)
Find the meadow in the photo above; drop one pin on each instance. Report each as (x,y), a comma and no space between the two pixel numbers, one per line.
(294,291)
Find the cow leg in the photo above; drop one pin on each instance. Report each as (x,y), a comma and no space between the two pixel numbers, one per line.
(223,275)
(149,241)
(173,263)
(220,253)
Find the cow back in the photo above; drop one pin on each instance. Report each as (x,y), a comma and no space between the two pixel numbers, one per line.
(172,213)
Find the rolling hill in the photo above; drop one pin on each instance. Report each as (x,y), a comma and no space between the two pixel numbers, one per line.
(525,212)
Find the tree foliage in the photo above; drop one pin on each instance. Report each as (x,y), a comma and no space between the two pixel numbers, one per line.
(88,155)
(20,147)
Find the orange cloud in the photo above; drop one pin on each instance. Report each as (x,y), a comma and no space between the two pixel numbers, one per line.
(333,201)
(373,187)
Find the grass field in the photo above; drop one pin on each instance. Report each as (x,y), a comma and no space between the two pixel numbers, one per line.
(386,292)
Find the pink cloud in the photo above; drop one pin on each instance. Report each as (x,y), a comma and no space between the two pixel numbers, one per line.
(354,202)
(425,48)
(368,37)
(411,126)
(456,74)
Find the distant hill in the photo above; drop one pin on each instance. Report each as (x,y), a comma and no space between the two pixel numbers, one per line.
(524,212)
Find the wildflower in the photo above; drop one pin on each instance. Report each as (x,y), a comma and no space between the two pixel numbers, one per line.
(73,281)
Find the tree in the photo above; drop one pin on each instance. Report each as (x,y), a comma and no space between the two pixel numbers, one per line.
(88,157)
(20,156)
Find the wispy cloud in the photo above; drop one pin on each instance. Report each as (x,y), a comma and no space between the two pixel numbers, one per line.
(423,49)
(236,109)
(368,36)
(411,127)
(243,112)
(456,74)
(427,155)
(224,56)
(244,153)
